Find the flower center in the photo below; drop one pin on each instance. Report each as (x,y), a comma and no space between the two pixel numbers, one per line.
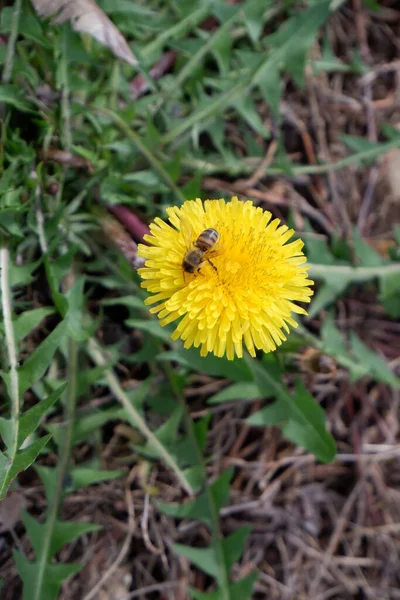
(232,267)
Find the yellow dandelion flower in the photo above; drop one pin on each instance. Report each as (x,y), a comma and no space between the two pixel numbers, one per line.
(245,288)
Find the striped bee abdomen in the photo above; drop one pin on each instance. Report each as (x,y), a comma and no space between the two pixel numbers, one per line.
(207,239)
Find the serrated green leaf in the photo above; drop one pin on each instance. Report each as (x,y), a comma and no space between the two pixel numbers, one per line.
(22,460)
(365,253)
(194,476)
(84,476)
(126,7)
(242,391)
(183,449)
(48,476)
(221,47)
(317,250)
(271,88)
(248,111)
(9,221)
(234,544)
(273,414)
(334,345)
(327,295)
(293,40)
(236,369)
(35,531)
(204,558)
(389,296)
(240,590)
(25,458)
(167,432)
(38,362)
(391,304)
(179,28)
(314,437)
(28,320)
(304,422)
(152,327)
(65,532)
(201,428)
(339,275)
(146,178)
(217,594)
(198,508)
(55,272)
(128,301)
(3,461)
(331,336)
(294,43)
(329,62)
(85,425)
(30,420)
(331,65)
(253,16)
(370,360)
(88,377)
(75,299)
(362,144)
(7,431)
(53,577)
(13,96)
(22,274)
(28,26)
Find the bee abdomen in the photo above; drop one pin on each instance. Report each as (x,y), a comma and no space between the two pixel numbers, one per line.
(207,239)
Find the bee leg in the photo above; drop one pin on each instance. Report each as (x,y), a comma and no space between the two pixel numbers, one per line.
(198,270)
(212,264)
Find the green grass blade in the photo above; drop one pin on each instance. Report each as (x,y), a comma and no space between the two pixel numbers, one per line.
(194,17)
(136,140)
(135,418)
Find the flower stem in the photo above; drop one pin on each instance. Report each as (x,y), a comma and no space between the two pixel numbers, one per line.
(97,355)
(353,274)
(10,345)
(210,500)
(65,107)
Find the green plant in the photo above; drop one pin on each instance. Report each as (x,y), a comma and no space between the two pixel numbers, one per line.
(75,141)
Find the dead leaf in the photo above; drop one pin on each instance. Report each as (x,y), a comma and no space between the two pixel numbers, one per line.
(65,158)
(118,586)
(391,174)
(117,236)
(10,510)
(85,16)
(381,246)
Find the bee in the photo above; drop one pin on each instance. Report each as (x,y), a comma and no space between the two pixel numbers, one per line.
(203,247)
